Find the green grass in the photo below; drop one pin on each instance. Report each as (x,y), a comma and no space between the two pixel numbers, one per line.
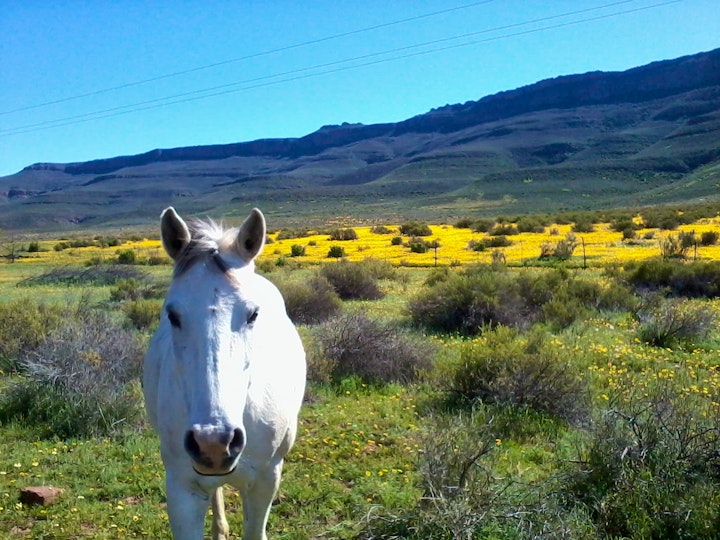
(356,451)
(368,461)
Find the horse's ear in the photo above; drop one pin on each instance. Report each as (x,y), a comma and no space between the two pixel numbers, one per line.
(174,232)
(251,236)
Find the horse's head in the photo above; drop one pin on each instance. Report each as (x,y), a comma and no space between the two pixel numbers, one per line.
(210,312)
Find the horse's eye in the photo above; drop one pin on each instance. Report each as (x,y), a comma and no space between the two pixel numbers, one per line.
(173,317)
(253,315)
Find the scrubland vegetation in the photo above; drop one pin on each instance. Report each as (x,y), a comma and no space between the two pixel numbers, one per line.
(563,384)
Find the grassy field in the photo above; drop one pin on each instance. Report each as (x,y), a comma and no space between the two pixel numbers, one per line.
(417,460)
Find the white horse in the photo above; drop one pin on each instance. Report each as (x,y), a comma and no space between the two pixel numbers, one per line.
(224,377)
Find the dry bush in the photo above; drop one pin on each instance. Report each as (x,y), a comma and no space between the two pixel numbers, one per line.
(310,302)
(467,302)
(650,468)
(79,380)
(675,321)
(376,352)
(352,280)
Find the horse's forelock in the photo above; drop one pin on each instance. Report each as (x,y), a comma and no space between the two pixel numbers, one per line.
(207,238)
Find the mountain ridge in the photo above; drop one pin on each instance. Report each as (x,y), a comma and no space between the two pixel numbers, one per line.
(657,124)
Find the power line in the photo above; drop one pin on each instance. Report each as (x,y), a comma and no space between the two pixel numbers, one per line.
(244,58)
(256,83)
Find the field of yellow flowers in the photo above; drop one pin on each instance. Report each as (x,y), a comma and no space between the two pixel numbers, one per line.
(598,247)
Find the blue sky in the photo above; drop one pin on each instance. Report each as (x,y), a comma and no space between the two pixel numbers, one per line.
(72,71)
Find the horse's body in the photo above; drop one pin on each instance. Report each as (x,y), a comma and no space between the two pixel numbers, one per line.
(224,377)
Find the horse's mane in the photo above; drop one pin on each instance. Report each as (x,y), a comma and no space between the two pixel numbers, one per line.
(208,239)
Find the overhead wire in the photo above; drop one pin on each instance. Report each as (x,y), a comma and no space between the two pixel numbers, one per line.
(256,83)
(246,57)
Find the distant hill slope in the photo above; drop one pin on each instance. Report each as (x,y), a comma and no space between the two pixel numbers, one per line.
(649,135)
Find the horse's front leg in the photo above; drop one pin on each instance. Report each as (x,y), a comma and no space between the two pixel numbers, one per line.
(186,508)
(257,500)
(220,528)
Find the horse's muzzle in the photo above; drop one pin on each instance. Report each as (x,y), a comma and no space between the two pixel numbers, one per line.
(214,451)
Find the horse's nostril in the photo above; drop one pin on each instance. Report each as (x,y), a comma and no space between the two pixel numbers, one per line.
(191,445)
(238,441)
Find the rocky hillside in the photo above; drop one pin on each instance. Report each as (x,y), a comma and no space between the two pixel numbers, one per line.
(649,135)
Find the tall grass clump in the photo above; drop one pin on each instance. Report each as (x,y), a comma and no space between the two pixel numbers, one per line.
(377,352)
(78,381)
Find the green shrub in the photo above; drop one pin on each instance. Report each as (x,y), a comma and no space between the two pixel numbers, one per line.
(482,225)
(483,296)
(381,229)
(583,225)
(436,275)
(663,218)
(690,279)
(78,381)
(463,496)
(343,234)
(134,288)
(378,268)
(464,223)
(336,252)
(623,223)
(415,228)
(466,302)
(127,289)
(523,371)
(143,314)
(24,324)
(159,258)
(127,256)
(709,238)
(503,229)
(477,245)
(396,241)
(497,241)
(497,258)
(287,234)
(296,250)
(529,224)
(457,481)
(378,352)
(352,280)
(417,245)
(310,302)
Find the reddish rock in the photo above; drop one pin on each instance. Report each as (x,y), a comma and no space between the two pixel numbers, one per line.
(39,495)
